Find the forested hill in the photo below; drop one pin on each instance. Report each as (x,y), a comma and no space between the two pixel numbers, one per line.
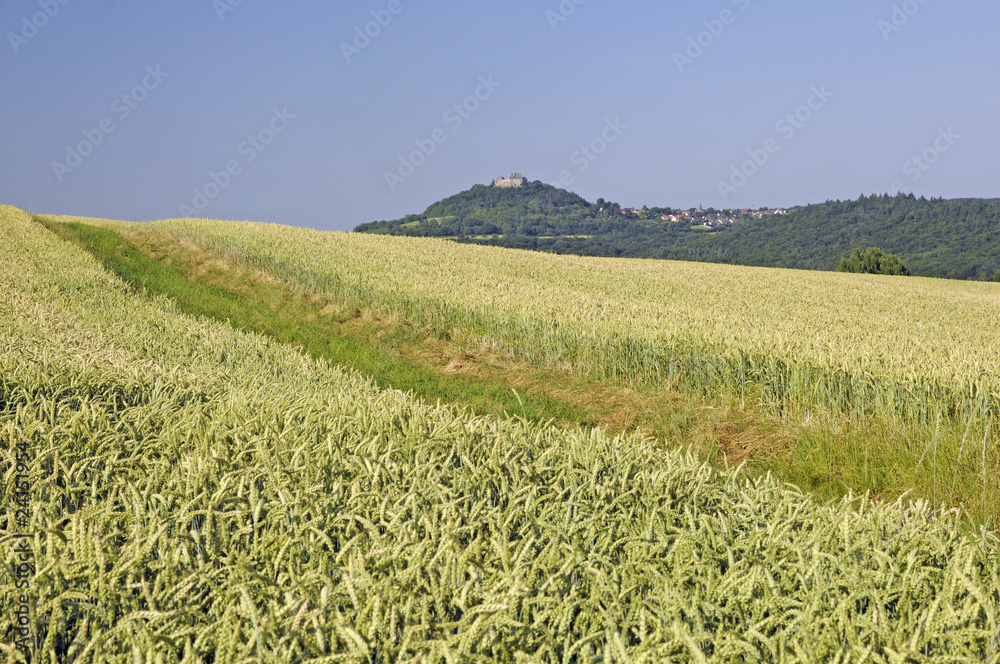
(937,238)
(540,216)
(534,209)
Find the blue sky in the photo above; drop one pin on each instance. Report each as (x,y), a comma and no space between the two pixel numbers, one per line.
(290,113)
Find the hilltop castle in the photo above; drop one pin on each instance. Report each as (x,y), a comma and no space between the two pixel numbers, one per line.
(515,180)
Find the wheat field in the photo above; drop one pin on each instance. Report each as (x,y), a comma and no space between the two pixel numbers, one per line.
(198,494)
(906,347)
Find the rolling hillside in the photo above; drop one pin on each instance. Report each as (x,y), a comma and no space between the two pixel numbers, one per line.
(935,238)
(198,493)
(876,371)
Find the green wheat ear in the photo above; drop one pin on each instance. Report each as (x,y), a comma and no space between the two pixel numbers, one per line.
(523,414)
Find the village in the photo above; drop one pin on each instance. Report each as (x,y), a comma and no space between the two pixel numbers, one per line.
(710,218)
(697,217)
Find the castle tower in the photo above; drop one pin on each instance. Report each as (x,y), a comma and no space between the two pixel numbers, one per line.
(515,180)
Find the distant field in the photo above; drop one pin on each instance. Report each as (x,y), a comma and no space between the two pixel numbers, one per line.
(414,224)
(201,494)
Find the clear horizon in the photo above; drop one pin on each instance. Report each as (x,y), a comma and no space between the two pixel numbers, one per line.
(328,116)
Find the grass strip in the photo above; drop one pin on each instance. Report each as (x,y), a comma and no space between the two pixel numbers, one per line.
(253,305)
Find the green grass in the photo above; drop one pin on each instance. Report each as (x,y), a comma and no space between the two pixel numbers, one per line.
(266,308)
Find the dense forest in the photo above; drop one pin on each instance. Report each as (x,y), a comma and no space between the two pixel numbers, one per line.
(935,238)
(957,239)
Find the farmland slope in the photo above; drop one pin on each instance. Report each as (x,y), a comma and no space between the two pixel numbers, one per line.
(858,342)
(199,494)
(892,384)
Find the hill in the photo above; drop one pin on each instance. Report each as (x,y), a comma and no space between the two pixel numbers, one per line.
(535,209)
(541,217)
(935,238)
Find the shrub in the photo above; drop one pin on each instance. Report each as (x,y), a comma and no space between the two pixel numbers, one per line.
(873,261)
